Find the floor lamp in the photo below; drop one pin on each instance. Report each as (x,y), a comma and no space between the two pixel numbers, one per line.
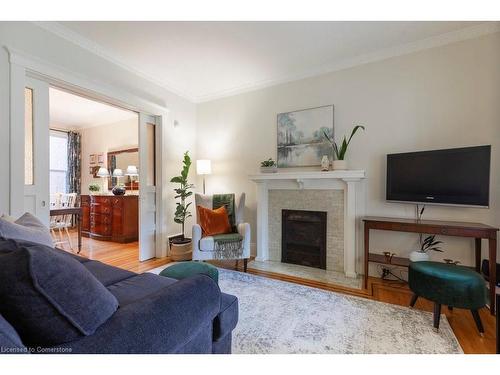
(203,167)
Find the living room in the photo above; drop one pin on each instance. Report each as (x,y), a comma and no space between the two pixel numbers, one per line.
(306,187)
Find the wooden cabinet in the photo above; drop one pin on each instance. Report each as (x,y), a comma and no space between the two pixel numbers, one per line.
(110,217)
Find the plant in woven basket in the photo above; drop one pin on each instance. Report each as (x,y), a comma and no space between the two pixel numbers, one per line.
(182,193)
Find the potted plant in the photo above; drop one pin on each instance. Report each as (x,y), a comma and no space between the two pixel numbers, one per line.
(94,188)
(428,244)
(180,247)
(268,166)
(340,151)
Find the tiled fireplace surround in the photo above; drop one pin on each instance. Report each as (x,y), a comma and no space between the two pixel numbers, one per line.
(329,201)
(336,192)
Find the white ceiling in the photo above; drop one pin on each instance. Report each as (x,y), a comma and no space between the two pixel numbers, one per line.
(205,60)
(69,111)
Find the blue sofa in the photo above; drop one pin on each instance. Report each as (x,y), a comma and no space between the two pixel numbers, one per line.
(155,315)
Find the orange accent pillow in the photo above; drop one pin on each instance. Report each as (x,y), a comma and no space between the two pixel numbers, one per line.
(213,222)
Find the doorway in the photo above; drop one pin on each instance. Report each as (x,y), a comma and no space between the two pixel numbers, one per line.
(82,152)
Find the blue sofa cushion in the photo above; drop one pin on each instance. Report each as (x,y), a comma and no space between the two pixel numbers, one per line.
(107,275)
(10,245)
(27,228)
(137,287)
(176,319)
(51,298)
(227,318)
(9,339)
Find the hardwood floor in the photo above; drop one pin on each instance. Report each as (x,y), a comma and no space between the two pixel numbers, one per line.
(127,256)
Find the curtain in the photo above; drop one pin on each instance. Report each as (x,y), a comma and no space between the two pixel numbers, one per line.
(74,182)
(112,166)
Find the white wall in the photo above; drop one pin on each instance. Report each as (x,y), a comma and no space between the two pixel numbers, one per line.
(438,98)
(35,41)
(120,135)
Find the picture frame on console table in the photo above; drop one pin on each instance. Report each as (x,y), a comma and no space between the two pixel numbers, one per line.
(300,136)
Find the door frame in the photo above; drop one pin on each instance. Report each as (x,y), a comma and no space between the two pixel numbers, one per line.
(21,66)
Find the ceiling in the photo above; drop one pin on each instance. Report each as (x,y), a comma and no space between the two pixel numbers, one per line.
(205,60)
(69,111)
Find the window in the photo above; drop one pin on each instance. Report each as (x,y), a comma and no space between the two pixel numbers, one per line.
(58,161)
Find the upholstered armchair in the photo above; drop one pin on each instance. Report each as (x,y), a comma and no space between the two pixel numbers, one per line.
(208,247)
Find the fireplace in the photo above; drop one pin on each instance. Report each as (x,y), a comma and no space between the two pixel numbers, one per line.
(303,239)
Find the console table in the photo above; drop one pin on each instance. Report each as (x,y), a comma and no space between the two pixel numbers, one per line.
(446,228)
(110,217)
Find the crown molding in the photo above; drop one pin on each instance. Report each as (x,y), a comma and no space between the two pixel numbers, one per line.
(403,49)
(400,50)
(79,84)
(95,48)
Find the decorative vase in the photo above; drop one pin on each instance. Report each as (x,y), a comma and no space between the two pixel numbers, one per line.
(119,190)
(181,250)
(339,165)
(272,169)
(419,256)
(325,163)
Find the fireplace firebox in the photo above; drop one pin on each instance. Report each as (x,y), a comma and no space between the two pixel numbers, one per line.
(303,238)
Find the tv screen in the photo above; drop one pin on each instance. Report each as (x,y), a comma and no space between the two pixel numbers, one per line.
(457,176)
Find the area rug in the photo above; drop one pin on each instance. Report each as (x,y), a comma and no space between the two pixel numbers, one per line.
(282,317)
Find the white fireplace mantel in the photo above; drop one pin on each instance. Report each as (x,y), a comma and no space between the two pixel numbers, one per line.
(339,180)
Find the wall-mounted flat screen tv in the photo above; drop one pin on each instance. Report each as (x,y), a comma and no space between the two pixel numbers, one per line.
(457,176)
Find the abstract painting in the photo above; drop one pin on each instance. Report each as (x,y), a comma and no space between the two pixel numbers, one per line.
(301,141)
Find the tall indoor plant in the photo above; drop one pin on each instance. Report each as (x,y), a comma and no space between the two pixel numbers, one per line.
(341,149)
(180,247)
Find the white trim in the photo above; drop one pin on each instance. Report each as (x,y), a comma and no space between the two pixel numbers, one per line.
(95,48)
(79,84)
(23,65)
(308,175)
(348,181)
(402,49)
(383,54)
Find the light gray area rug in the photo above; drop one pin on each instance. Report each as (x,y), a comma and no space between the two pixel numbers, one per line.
(281,317)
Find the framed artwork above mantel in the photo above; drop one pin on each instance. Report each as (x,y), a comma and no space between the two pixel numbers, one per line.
(301,140)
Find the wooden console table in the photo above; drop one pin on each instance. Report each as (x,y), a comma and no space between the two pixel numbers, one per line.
(446,228)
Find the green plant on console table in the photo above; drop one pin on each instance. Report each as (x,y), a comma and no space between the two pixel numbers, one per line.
(429,244)
(94,187)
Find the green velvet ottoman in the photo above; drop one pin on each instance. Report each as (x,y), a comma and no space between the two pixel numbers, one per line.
(183,270)
(448,284)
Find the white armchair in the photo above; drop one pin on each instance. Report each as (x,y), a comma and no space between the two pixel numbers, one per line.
(204,247)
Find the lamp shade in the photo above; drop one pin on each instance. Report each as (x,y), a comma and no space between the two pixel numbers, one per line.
(203,167)
(132,171)
(118,172)
(103,172)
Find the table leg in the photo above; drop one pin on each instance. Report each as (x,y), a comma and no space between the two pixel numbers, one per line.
(493,271)
(367,250)
(497,299)
(478,254)
(79,226)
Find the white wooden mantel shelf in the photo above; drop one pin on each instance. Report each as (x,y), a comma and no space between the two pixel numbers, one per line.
(340,180)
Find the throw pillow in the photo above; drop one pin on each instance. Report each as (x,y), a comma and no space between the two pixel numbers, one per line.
(8,218)
(27,228)
(50,298)
(213,222)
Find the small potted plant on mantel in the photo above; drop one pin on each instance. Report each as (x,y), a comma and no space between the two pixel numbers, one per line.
(340,151)
(268,166)
(180,247)
(428,244)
